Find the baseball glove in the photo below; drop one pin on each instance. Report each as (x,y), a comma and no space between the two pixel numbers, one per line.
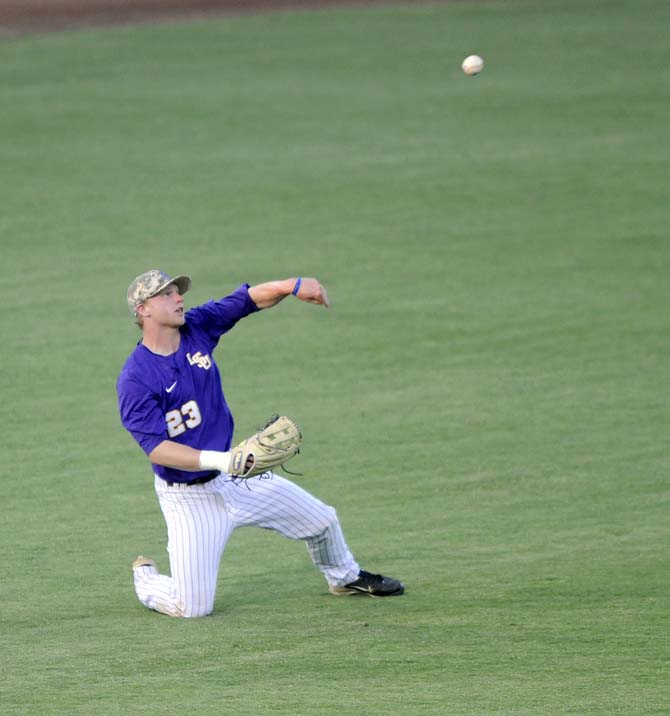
(276,442)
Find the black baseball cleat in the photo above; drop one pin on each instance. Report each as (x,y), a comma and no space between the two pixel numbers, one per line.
(374,585)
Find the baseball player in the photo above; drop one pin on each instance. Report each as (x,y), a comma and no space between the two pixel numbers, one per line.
(171,402)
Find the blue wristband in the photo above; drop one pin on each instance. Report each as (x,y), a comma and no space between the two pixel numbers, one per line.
(296,288)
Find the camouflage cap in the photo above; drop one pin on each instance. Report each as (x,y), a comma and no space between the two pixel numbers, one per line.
(150,283)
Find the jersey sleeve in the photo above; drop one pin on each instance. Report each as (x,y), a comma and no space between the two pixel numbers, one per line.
(141,414)
(218,317)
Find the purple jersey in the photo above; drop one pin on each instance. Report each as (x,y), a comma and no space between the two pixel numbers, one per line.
(179,397)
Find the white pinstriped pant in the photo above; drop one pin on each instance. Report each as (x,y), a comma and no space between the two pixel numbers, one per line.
(201,518)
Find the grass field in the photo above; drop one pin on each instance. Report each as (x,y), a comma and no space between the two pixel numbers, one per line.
(486,403)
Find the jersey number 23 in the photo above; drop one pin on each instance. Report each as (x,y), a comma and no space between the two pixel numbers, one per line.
(188,416)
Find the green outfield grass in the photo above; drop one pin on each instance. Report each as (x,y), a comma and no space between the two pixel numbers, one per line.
(486,402)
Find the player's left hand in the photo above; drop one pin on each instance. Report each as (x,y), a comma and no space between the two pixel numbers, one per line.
(274,444)
(312,291)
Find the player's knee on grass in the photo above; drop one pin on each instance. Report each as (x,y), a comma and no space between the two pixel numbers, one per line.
(199,607)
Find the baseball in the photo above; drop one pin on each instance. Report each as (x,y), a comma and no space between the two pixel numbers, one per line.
(473,65)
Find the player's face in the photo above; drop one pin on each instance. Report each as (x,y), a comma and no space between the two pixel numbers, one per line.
(166,307)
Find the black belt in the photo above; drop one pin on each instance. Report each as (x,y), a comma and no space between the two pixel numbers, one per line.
(198,480)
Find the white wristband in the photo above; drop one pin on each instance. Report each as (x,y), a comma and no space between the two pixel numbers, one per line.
(214,460)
